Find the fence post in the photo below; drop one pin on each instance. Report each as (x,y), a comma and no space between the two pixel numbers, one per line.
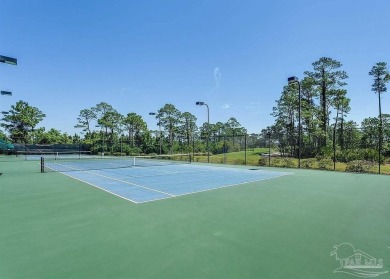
(245,147)
(224,149)
(334,148)
(193,148)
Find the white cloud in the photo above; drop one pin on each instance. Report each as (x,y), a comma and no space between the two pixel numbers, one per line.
(217,78)
(225,106)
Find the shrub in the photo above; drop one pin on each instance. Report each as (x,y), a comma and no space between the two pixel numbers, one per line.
(239,162)
(359,166)
(351,155)
(263,161)
(152,154)
(118,154)
(326,151)
(325,164)
(277,162)
(308,163)
(320,157)
(370,155)
(288,163)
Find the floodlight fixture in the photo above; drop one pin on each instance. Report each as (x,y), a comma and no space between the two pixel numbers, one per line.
(292,79)
(8,60)
(6,93)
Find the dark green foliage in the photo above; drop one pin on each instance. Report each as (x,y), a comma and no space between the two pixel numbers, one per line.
(359,166)
(308,163)
(239,162)
(327,80)
(284,162)
(288,163)
(21,121)
(263,161)
(349,155)
(325,164)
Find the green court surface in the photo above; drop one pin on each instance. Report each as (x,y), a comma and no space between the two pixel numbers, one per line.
(53,226)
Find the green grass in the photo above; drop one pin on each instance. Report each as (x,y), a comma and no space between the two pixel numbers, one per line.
(235,158)
(253,156)
(53,226)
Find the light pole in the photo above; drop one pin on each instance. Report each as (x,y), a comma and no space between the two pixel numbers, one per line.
(292,80)
(11,61)
(101,130)
(208,127)
(159,127)
(6,93)
(80,141)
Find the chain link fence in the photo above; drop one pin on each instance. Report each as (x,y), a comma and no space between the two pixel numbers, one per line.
(352,150)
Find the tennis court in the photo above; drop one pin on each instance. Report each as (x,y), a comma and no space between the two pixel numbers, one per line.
(267,225)
(162,178)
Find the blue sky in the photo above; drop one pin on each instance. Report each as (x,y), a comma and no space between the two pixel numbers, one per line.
(139,55)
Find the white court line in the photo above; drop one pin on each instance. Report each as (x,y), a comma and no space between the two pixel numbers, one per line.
(202,169)
(130,183)
(119,180)
(220,187)
(90,184)
(208,169)
(163,173)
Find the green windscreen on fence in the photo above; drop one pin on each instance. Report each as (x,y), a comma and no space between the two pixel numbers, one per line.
(84,163)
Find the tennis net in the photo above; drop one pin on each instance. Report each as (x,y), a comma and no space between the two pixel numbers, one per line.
(38,154)
(85,163)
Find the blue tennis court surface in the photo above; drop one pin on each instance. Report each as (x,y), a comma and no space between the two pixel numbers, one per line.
(144,184)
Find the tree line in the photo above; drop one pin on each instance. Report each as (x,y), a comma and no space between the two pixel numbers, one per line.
(323,104)
(324,108)
(102,127)
(178,131)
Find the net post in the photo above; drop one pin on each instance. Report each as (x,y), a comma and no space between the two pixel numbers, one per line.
(42,164)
